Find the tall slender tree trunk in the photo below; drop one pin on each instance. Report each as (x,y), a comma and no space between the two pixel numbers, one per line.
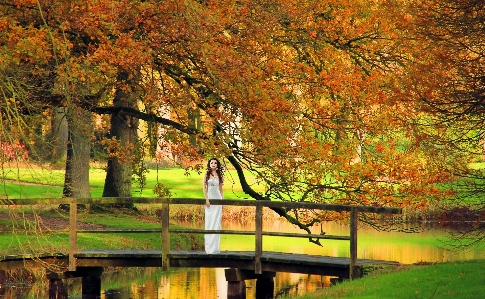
(58,136)
(124,128)
(76,181)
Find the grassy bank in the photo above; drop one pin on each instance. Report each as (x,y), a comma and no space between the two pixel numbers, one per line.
(46,230)
(462,280)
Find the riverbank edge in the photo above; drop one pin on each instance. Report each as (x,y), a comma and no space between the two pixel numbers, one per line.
(462,279)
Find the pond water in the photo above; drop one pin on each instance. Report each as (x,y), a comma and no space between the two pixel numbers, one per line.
(426,245)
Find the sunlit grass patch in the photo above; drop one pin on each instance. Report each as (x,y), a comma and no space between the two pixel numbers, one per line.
(462,280)
(48,183)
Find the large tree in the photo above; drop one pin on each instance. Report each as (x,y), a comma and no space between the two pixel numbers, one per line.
(305,95)
(302,93)
(68,56)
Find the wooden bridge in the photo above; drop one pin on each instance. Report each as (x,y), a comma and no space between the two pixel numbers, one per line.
(240,265)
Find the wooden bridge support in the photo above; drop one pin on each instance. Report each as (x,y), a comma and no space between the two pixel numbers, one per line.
(236,289)
(236,285)
(265,286)
(91,282)
(57,290)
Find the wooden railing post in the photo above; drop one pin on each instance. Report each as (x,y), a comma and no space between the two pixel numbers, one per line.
(72,235)
(353,242)
(165,236)
(259,240)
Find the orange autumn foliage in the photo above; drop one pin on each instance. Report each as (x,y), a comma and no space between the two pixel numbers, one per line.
(306,94)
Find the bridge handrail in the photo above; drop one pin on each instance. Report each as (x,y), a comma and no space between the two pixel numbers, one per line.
(226,202)
(166,202)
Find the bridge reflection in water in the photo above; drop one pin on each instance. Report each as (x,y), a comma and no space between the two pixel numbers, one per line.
(241,266)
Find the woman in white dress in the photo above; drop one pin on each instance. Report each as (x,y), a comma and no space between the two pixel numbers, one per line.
(212,186)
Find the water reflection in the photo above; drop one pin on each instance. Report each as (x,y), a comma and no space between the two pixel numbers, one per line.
(201,283)
(207,283)
(396,246)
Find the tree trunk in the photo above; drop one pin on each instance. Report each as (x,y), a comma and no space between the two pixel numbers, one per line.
(124,128)
(76,181)
(58,136)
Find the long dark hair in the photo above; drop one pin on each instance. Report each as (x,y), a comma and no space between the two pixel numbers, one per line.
(219,170)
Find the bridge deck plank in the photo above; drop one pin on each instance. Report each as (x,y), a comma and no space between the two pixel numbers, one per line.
(271,261)
(181,254)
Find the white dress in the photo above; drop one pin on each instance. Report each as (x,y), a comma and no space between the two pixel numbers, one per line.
(213,217)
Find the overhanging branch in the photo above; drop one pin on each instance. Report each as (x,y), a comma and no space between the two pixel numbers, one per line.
(148,117)
(280,211)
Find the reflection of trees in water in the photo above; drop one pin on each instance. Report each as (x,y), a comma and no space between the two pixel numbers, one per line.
(465,227)
(290,284)
(18,283)
(198,283)
(145,282)
(15,290)
(460,227)
(116,293)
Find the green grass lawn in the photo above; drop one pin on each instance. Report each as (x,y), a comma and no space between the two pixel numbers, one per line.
(48,183)
(462,280)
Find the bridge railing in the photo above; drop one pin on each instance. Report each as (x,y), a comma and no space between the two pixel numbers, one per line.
(166,230)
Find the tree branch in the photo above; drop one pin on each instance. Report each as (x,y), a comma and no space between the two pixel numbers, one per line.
(150,117)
